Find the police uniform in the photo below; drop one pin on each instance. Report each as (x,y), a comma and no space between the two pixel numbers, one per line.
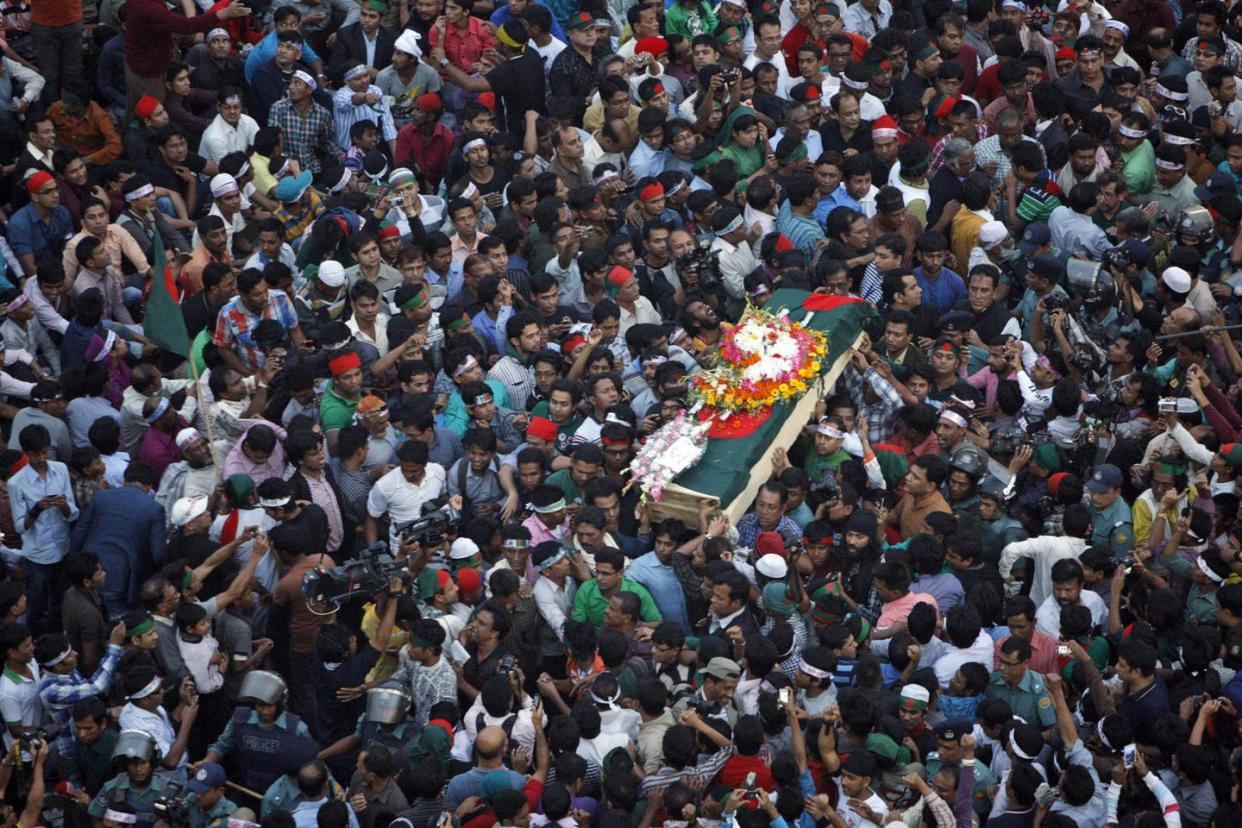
(217,816)
(256,750)
(398,738)
(984,780)
(1113,525)
(120,789)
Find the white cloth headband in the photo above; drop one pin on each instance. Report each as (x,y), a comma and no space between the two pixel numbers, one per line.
(611,701)
(142,192)
(551,508)
(474,143)
(274,502)
(552,561)
(1013,4)
(1207,570)
(830,431)
(1019,752)
(515,543)
(17,301)
(160,408)
(218,32)
(731,226)
(955,418)
(884,132)
(305,78)
(1118,25)
(109,342)
(357,72)
(1099,731)
(53,662)
(233,99)
(605,175)
(1130,132)
(152,686)
(470,362)
(853,84)
(1170,94)
(813,671)
(121,816)
(1168,165)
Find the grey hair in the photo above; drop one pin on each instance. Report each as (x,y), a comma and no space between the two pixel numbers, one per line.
(956,147)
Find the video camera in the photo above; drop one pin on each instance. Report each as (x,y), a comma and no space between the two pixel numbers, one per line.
(706,263)
(174,805)
(429,530)
(33,738)
(363,577)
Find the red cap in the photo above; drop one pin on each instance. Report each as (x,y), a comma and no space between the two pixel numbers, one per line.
(884,126)
(488,99)
(770,543)
(388,232)
(651,46)
(343,363)
(430,102)
(37,181)
(145,107)
(1066,53)
(442,579)
(652,191)
(620,276)
(541,427)
(783,243)
(811,93)
(1054,482)
(946,106)
(571,343)
(468,580)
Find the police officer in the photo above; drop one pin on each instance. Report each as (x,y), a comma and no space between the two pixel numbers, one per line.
(961,486)
(209,807)
(998,529)
(256,737)
(137,784)
(386,722)
(951,751)
(1111,524)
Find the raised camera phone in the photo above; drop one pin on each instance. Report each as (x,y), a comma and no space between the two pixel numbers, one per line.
(1128,755)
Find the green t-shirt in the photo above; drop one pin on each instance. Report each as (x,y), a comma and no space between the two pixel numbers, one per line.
(590,604)
(335,412)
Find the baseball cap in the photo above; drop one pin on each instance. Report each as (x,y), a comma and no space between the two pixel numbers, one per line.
(1104,478)
(1035,235)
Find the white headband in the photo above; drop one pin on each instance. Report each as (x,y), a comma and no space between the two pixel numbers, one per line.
(853,84)
(1207,570)
(1130,132)
(955,418)
(1019,752)
(550,509)
(109,342)
(830,431)
(54,661)
(120,816)
(552,561)
(611,701)
(142,192)
(357,72)
(605,175)
(812,671)
(1170,94)
(152,686)
(884,132)
(470,362)
(1099,731)
(731,226)
(1168,138)
(17,301)
(1168,165)
(305,78)
(1013,4)
(1118,25)
(473,144)
(274,502)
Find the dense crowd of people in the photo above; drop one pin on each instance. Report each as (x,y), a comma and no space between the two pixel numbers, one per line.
(331,329)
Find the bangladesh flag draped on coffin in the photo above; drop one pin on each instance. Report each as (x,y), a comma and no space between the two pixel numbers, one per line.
(735,461)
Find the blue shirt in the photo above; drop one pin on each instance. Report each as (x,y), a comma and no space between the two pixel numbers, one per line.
(83,412)
(804,231)
(30,235)
(306,814)
(47,539)
(661,581)
(837,198)
(265,51)
(945,292)
(468,784)
(503,15)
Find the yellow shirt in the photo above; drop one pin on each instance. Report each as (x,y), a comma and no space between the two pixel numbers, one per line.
(387,664)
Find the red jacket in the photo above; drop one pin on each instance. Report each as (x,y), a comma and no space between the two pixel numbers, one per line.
(149,28)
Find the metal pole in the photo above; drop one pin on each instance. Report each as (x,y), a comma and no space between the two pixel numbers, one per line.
(1188,333)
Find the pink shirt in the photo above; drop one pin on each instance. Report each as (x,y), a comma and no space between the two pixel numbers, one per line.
(1043,653)
(896,612)
(986,380)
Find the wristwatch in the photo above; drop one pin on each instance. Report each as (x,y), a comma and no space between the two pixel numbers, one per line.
(444,61)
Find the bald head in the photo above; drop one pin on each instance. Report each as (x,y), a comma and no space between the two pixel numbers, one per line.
(491,743)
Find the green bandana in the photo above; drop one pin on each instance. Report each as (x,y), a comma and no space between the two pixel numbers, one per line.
(241,484)
(143,628)
(1047,458)
(458,324)
(414,302)
(467,563)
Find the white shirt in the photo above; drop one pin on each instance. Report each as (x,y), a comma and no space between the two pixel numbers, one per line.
(594,155)
(857,19)
(555,602)
(549,52)
(852,818)
(736,263)
(765,220)
(814,143)
(783,79)
(1045,551)
(219,139)
(19,699)
(1048,616)
(982,651)
(402,500)
(156,723)
(644,313)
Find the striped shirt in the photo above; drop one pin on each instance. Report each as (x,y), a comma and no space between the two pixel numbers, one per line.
(348,113)
(803,231)
(1039,198)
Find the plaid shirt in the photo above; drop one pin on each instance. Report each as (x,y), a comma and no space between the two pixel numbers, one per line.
(937,153)
(60,693)
(236,323)
(295,224)
(879,415)
(354,486)
(748,531)
(306,138)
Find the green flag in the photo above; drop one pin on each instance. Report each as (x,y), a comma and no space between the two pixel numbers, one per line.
(164,325)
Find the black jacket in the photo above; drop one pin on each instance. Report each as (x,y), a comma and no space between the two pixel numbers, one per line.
(350,49)
(302,491)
